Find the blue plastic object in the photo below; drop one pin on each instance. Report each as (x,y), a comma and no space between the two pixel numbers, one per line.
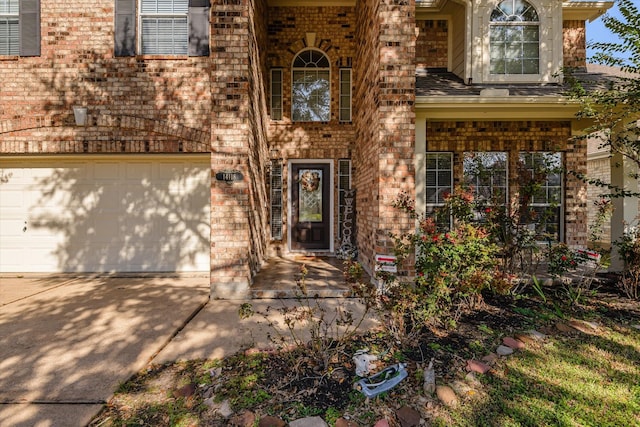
(383,381)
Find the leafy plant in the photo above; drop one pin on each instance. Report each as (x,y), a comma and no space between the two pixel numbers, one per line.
(452,267)
(628,247)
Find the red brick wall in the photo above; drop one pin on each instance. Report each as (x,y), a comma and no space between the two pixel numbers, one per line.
(385,121)
(513,137)
(432,45)
(574,44)
(134,104)
(239,211)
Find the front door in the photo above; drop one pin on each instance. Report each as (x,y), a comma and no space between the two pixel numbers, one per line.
(310,206)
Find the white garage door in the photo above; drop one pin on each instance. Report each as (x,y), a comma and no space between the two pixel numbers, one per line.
(105,214)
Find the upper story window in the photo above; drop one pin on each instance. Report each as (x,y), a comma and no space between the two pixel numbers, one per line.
(20,27)
(311,87)
(162,27)
(9,28)
(514,38)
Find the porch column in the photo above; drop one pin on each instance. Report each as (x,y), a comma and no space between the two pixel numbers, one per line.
(625,212)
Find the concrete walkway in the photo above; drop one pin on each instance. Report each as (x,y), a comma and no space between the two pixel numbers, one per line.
(66,343)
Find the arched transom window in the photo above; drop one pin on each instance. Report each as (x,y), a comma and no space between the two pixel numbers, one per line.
(514,38)
(310,89)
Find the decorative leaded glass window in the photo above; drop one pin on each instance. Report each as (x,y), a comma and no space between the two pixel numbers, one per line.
(514,38)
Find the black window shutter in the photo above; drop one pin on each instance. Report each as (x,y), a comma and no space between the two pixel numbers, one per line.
(29,27)
(125,28)
(199,27)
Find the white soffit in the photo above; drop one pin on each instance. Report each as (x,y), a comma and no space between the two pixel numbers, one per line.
(310,3)
(584,10)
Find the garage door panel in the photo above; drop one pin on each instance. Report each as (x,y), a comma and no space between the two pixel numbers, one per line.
(105,215)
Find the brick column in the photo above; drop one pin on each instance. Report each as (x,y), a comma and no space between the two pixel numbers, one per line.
(238,143)
(385,121)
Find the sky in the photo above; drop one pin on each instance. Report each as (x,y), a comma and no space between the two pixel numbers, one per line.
(597,32)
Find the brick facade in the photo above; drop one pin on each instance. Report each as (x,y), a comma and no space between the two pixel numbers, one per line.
(219,105)
(385,122)
(432,44)
(574,44)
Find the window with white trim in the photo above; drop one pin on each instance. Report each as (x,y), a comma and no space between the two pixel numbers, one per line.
(438,185)
(486,173)
(20,27)
(345,94)
(540,182)
(311,87)
(276,94)
(9,28)
(514,38)
(163,27)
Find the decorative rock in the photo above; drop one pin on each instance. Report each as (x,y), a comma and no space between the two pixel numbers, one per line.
(382,423)
(341,422)
(429,374)
(223,408)
(462,389)
(538,336)
(209,401)
(185,391)
(408,417)
(525,339)
(503,350)
(490,358)
(244,419)
(270,421)
(479,367)
(447,396)
(584,327)
(471,379)
(563,327)
(513,343)
(309,422)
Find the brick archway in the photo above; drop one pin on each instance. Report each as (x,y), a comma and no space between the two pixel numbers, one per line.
(188,139)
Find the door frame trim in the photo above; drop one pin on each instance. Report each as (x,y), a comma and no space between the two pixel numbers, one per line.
(290,164)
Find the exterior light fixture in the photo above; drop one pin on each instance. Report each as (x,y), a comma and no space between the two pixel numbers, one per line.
(80,115)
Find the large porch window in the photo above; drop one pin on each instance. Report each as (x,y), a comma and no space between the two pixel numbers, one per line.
(486,174)
(540,176)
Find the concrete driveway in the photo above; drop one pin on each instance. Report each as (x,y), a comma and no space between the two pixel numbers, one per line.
(67,342)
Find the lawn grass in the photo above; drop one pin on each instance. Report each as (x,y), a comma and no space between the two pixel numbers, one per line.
(577,380)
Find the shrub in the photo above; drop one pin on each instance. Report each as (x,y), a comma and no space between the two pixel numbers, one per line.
(452,266)
(562,259)
(629,250)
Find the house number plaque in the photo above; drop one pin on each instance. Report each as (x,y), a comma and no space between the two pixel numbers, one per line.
(229,176)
